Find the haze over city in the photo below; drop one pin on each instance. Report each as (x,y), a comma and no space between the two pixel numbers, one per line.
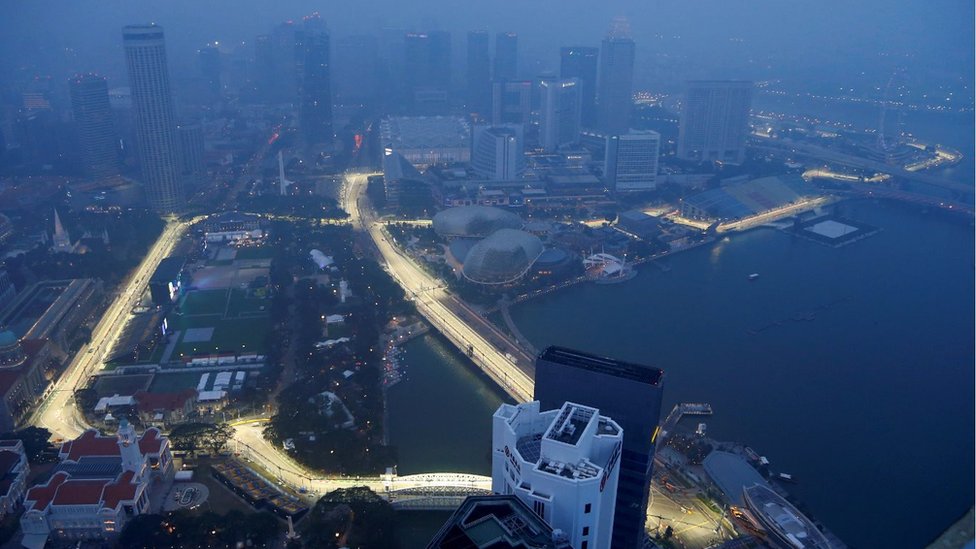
(548,274)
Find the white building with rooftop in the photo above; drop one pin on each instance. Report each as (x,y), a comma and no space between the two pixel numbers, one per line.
(563,463)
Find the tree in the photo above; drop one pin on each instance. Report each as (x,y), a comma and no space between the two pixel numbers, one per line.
(192,437)
(356,516)
(183,529)
(36,441)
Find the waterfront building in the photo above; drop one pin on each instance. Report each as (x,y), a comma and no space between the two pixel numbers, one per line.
(511,102)
(563,462)
(504,257)
(631,395)
(498,152)
(473,221)
(97,137)
(787,526)
(561,111)
(630,161)
(101,483)
(496,521)
(581,62)
(316,90)
(616,79)
(156,138)
(479,73)
(714,121)
(506,56)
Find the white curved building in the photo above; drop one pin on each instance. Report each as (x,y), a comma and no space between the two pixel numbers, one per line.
(502,258)
(474,221)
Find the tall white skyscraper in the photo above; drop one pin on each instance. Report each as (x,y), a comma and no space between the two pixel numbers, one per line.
(563,463)
(561,113)
(156,136)
(630,162)
(498,152)
(715,121)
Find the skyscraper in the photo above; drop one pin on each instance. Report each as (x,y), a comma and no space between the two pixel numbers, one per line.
(479,73)
(497,152)
(631,395)
(560,124)
(152,103)
(564,462)
(316,113)
(581,62)
(630,161)
(357,70)
(506,56)
(715,121)
(209,59)
(191,149)
(511,102)
(263,76)
(97,136)
(440,59)
(616,79)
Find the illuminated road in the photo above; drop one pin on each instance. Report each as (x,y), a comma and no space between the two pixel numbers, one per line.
(493,351)
(57,411)
(250,444)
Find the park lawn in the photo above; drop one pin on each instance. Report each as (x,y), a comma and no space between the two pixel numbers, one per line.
(110,385)
(241,304)
(263,252)
(173,383)
(239,335)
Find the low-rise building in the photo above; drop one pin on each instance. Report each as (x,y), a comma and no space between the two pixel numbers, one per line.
(13,475)
(101,483)
(496,521)
(232,226)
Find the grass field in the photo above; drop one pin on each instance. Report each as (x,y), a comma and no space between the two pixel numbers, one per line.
(169,383)
(204,302)
(107,386)
(242,305)
(254,253)
(232,335)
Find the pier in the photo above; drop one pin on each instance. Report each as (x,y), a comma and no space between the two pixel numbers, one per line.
(679,411)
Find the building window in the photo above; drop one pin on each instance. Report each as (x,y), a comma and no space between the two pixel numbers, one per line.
(587,508)
(586,530)
(583,544)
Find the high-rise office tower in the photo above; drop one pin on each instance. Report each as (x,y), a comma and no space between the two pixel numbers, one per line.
(427,71)
(479,73)
(357,70)
(630,161)
(191,149)
(560,124)
(263,76)
(715,121)
(581,62)
(616,79)
(287,54)
(209,59)
(511,102)
(316,107)
(152,103)
(440,59)
(564,463)
(631,395)
(506,56)
(97,136)
(497,152)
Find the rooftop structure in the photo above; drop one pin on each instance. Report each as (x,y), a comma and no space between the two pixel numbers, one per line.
(232,226)
(563,462)
(789,527)
(426,140)
(489,522)
(52,309)
(13,475)
(630,394)
(731,473)
(746,199)
(474,221)
(502,258)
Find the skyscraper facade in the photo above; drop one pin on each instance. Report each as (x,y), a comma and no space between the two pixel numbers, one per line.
(630,161)
(316,106)
(191,149)
(497,152)
(506,56)
(210,66)
(564,463)
(263,76)
(715,121)
(631,395)
(616,83)
(581,62)
(97,137)
(152,103)
(511,102)
(479,73)
(560,123)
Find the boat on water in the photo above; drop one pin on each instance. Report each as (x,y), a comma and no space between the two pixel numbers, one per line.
(604,268)
(753,276)
(787,527)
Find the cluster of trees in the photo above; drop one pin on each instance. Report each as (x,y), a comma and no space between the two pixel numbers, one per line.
(37,444)
(307,206)
(350,517)
(200,437)
(186,530)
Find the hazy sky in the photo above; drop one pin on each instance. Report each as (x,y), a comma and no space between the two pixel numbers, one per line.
(703,38)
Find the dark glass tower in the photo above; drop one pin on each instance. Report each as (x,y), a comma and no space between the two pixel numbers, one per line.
(209,58)
(506,56)
(152,103)
(96,130)
(581,62)
(316,113)
(479,73)
(631,395)
(616,80)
